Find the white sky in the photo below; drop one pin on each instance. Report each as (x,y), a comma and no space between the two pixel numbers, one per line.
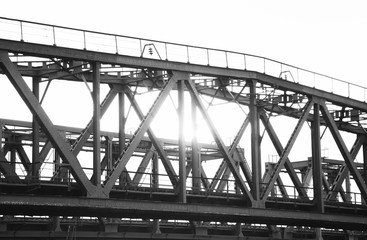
(328,37)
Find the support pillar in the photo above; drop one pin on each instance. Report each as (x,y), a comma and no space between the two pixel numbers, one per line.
(96,125)
(317,165)
(200,228)
(275,232)
(1,135)
(316,161)
(255,143)
(195,158)
(238,230)
(109,155)
(364,164)
(55,223)
(155,227)
(288,233)
(122,135)
(350,235)
(35,135)
(155,171)
(347,188)
(318,234)
(181,142)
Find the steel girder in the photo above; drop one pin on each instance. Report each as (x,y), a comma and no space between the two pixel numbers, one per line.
(38,205)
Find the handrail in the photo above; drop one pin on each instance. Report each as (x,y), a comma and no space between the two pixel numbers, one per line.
(28,31)
(354,198)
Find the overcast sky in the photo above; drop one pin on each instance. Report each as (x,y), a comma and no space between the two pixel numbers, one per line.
(324,36)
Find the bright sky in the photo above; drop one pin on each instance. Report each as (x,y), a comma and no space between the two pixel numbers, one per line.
(327,36)
(324,36)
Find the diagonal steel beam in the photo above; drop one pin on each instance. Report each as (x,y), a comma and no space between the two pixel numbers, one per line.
(343,171)
(156,143)
(223,149)
(279,148)
(348,158)
(24,158)
(142,167)
(83,138)
(204,178)
(43,154)
(34,106)
(284,154)
(135,140)
(232,149)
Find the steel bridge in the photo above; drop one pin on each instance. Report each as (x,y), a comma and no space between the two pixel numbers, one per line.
(169,169)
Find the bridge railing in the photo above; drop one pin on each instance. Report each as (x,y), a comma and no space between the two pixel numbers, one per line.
(18,30)
(160,182)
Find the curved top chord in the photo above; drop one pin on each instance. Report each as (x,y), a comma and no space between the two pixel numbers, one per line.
(53,35)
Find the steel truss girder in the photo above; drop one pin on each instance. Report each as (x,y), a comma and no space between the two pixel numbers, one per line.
(34,106)
(37,205)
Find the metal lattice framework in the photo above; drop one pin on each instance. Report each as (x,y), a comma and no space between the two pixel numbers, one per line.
(70,171)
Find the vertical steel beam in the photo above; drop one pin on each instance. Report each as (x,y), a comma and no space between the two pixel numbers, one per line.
(35,134)
(255,143)
(96,124)
(195,154)
(155,170)
(181,142)
(365,161)
(316,160)
(1,135)
(109,155)
(122,135)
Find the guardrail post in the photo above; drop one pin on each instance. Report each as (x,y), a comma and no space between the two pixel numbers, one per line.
(54,35)
(117,49)
(207,55)
(188,56)
(21,31)
(85,43)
